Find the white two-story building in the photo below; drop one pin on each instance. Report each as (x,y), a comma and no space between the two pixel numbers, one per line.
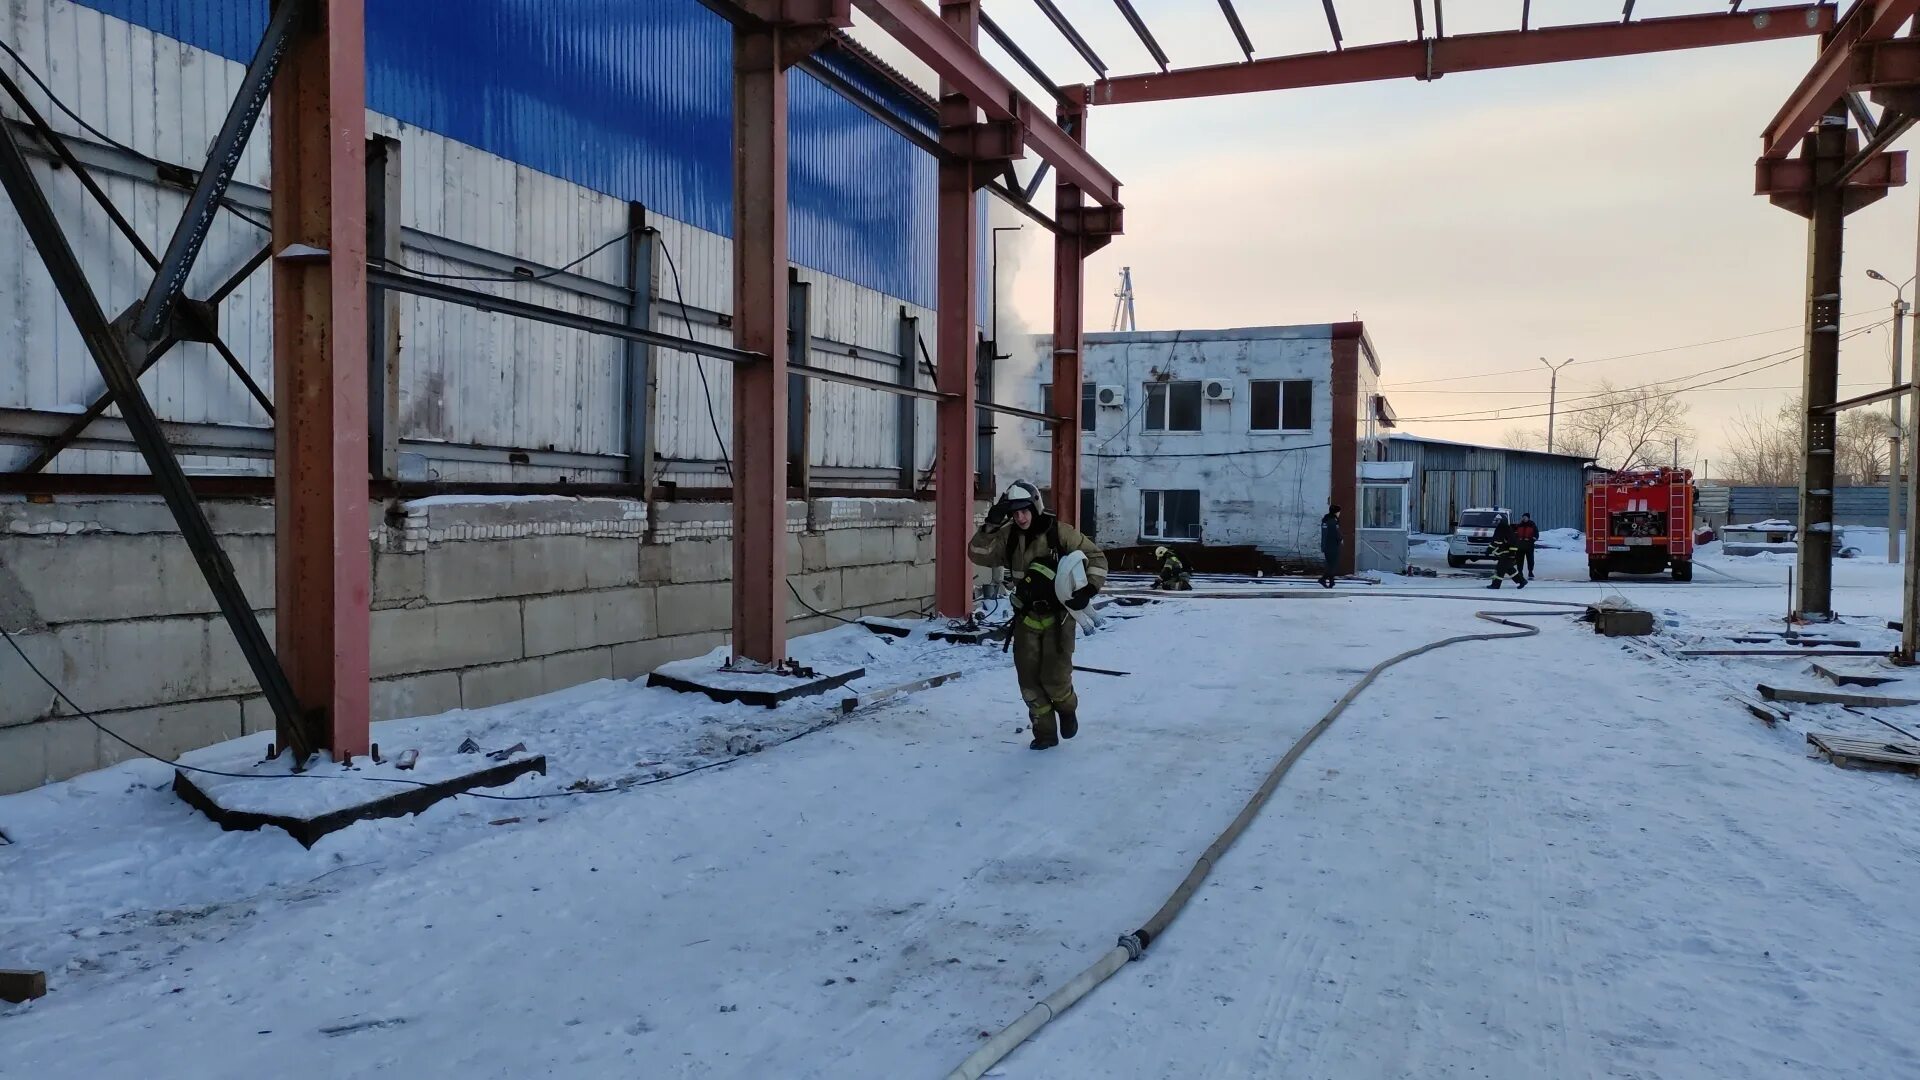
(1237,438)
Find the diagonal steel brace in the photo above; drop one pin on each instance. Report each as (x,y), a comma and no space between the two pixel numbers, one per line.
(109,352)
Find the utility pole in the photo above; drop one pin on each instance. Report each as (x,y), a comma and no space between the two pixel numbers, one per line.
(1553,396)
(1900,310)
(1910,592)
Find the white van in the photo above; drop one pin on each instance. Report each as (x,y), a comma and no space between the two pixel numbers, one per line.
(1473,534)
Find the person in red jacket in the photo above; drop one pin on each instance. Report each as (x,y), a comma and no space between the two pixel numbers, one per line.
(1527,534)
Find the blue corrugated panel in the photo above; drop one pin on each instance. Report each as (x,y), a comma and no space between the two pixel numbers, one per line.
(630,99)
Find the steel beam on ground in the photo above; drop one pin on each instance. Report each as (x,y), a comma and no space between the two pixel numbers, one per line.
(1069,324)
(760,326)
(109,351)
(1827,82)
(322,564)
(290,18)
(957,60)
(955,332)
(1820,382)
(643,276)
(1465,52)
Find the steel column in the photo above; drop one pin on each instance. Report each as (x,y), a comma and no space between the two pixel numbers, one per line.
(323,560)
(1826,151)
(799,398)
(643,277)
(1069,323)
(760,326)
(956,337)
(1910,575)
(383,311)
(907,436)
(109,349)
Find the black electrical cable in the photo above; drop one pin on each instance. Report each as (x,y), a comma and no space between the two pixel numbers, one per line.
(817,611)
(508,279)
(699,363)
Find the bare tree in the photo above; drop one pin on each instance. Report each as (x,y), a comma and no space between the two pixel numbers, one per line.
(1520,438)
(1860,446)
(1763,449)
(1625,429)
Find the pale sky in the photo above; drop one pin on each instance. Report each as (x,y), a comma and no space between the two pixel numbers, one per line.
(1475,223)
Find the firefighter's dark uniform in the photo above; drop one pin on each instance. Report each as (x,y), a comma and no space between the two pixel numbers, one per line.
(1042,629)
(1506,554)
(1528,534)
(1173,573)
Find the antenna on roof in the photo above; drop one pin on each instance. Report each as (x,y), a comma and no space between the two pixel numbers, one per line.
(1123,302)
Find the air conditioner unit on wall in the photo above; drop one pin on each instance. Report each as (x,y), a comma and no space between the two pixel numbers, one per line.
(1111,397)
(1219,390)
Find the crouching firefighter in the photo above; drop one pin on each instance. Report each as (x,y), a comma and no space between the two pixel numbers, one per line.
(1021,536)
(1173,572)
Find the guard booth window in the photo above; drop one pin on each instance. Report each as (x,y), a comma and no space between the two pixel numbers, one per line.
(1383,506)
(1170,515)
(1173,406)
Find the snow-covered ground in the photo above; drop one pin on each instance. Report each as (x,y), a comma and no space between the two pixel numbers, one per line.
(1557,857)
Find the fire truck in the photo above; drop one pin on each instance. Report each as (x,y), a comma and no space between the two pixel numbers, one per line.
(1640,522)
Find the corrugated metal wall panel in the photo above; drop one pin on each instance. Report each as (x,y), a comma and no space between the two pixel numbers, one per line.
(1851,505)
(633,100)
(1553,490)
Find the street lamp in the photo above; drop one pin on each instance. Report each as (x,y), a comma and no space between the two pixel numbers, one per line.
(1900,310)
(1553,395)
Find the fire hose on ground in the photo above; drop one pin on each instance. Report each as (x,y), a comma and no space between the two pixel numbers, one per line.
(1133,946)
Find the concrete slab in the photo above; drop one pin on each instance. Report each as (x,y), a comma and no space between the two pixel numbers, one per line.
(330,797)
(700,676)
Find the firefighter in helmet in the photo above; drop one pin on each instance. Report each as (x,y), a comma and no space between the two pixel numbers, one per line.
(1021,536)
(1506,552)
(1173,572)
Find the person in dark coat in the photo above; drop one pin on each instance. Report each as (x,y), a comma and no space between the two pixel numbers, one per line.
(1528,534)
(1330,545)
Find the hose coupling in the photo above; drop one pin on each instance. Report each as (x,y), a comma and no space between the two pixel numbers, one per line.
(1134,946)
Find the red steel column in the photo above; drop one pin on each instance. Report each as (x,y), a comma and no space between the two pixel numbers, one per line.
(959,274)
(323,558)
(760,326)
(1069,321)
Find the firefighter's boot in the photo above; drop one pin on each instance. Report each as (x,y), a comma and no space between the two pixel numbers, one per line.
(1069,722)
(1520,583)
(1495,584)
(1045,735)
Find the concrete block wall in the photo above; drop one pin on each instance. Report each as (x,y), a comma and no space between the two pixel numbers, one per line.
(476,603)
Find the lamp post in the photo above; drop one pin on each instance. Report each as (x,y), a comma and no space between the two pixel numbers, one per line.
(1900,310)
(1553,396)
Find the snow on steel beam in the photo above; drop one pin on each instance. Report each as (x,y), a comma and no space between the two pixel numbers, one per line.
(1868,21)
(1469,52)
(922,32)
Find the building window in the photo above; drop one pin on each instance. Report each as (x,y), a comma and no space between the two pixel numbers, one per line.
(1282,405)
(1089,405)
(1170,515)
(1173,406)
(1383,506)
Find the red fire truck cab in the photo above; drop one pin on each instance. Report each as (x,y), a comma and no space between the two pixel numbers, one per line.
(1640,522)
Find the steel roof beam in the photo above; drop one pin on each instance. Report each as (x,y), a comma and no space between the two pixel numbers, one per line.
(1471,52)
(1067,30)
(1239,29)
(1145,35)
(1867,21)
(922,32)
(1333,21)
(1020,57)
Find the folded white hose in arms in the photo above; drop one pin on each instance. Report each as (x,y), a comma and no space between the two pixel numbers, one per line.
(1069,578)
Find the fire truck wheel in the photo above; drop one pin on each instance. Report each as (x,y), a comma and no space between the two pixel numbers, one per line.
(1683,571)
(1596,573)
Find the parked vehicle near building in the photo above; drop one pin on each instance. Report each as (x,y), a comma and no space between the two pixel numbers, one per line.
(1472,535)
(1640,522)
